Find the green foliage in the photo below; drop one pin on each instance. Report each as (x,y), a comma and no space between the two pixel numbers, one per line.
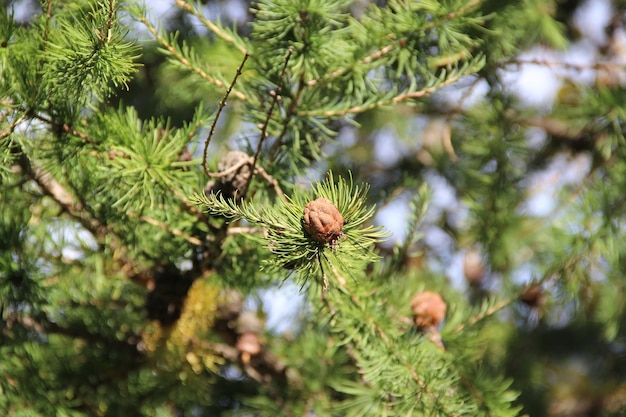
(287,241)
(134,275)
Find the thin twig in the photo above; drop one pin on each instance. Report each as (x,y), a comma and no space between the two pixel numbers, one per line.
(243,161)
(290,112)
(219,111)
(279,87)
(596,66)
(66,128)
(163,226)
(489,312)
(185,61)
(210,25)
(272,181)
(239,230)
(396,99)
(366,60)
(12,126)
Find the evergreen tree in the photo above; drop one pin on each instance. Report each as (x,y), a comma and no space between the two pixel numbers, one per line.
(156,182)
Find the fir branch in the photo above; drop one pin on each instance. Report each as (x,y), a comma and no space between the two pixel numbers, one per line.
(63,197)
(65,127)
(289,245)
(219,32)
(165,227)
(488,309)
(388,342)
(596,65)
(42,325)
(174,52)
(291,111)
(424,92)
(366,60)
(12,126)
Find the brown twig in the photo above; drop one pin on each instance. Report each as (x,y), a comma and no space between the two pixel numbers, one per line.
(219,111)
(396,99)
(163,226)
(596,66)
(269,114)
(12,126)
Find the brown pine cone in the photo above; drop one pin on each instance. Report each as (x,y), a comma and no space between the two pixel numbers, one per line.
(323,221)
(429,309)
(238,179)
(248,345)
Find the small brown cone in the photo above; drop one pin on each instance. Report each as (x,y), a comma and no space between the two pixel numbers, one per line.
(323,221)
(429,309)
(473,267)
(533,296)
(248,345)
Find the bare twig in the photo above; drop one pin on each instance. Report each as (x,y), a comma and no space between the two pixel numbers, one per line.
(66,128)
(237,230)
(596,66)
(272,181)
(12,126)
(279,87)
(163,226)
(219,111)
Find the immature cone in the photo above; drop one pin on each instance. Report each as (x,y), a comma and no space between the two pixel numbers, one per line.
(473,267)
(323,221)
(533,296)
(248,345)
(238,179)
(249,328)
(234,183)
(429,309)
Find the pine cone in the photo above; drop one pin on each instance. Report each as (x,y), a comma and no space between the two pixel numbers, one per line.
(473,267)
(429,309)
(533,296)
(323,221)
(234,183)
(248,322)
(248,345)
(239,178)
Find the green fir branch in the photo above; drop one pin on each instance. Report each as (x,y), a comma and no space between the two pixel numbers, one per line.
(289,245)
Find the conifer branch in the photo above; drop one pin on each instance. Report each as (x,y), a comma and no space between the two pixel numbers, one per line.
(12,126)
(210,25)
(366,60)
(490,311)
(183,60)
(389,101)
(163,226)
(64,198)
(389,344)
(596,65)
(291,111)
(44,325)
(66,128)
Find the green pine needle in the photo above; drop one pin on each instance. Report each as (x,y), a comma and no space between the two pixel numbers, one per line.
(287,241)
